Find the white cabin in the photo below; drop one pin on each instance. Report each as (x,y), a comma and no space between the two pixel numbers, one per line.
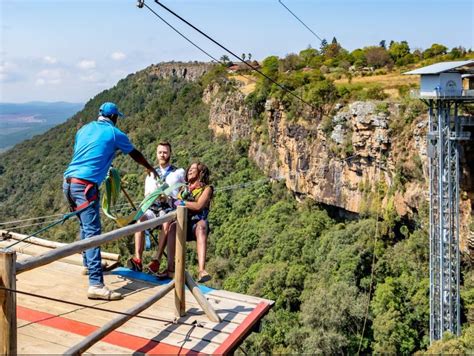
(444,79)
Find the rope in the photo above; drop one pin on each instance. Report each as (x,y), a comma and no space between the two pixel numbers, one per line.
(29,219)
(62,220)
(291,12)
(125,206)
(252,67)
(372,272)
(98,308)
(187,39)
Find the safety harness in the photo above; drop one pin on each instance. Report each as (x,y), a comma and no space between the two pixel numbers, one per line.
(89,200)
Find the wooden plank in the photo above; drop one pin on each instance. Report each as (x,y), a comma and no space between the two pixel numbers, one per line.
(95,241)
(97,335)
(35,250)
(180,259)
(39,280)
(56,341)
(51,244)
(243,330)
(248,299)
(203,302)
(139,343)
(61,288)
(8,335)
(210,331)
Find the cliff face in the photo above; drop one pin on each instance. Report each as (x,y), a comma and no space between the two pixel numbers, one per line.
(354,160)
(191,71)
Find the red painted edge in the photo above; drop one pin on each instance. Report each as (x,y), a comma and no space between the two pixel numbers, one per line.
(239,333)
(132,342)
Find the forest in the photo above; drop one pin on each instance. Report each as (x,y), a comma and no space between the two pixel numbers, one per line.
(341,285)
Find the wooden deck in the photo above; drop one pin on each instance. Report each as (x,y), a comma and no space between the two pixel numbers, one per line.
(52,327)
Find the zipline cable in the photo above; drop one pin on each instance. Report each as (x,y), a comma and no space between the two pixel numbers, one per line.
(234,55)
(372,271)
(179,33)
(291,12)
(124,206)
(143,4)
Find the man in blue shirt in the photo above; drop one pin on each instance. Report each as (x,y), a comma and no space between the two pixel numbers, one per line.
(94,150)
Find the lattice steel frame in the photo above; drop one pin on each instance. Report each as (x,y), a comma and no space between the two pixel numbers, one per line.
(443,152)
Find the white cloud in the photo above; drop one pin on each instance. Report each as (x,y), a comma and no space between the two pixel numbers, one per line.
(86,64)
(49,76)
(118,56)
(50,60)
(8,72)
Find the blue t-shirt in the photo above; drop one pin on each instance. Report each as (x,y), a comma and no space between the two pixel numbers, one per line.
(94,150)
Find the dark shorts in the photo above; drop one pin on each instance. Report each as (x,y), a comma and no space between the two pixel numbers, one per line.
(192,224)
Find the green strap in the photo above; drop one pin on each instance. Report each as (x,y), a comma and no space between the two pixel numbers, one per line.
(112,190)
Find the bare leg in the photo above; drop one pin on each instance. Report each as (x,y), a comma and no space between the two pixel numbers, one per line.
(201,242)
(139,244)
(140,240)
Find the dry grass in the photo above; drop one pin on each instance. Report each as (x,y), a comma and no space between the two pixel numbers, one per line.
(387,81)
(247,81)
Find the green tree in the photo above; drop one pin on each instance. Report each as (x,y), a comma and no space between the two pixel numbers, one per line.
(435,50)
(398,50)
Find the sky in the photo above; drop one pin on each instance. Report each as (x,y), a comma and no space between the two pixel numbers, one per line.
(70,50)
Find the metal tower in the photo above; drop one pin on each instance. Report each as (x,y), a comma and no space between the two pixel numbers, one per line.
(442,89)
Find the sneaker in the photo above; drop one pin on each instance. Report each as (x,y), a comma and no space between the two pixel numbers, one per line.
(135,264)
(102,292)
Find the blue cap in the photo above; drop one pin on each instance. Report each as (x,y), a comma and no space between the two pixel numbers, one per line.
(108,109)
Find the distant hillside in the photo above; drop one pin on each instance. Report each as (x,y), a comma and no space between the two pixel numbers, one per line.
(19,122)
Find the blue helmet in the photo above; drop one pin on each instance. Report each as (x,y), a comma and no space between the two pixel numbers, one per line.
(108,109)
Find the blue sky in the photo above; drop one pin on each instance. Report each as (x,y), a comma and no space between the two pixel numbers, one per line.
(70,50)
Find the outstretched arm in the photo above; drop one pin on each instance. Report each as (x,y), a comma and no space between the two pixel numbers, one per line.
(138,157)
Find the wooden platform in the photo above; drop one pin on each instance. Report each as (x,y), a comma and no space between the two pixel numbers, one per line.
(51,327)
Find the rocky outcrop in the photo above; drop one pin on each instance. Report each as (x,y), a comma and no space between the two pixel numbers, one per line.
(341,168)
(184,70)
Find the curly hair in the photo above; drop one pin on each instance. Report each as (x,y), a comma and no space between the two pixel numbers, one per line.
(203,170)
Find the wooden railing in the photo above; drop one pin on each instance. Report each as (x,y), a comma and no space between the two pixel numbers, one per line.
(9,268)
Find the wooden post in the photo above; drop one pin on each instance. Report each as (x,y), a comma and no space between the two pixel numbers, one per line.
(180,256)
(201,299)
(8,338)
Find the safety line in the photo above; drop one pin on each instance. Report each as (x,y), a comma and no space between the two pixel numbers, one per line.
(179,33)
(291,12)
(372,272)
(142,3)
(233,54)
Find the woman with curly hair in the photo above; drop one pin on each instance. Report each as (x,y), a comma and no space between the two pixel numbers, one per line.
(196,196)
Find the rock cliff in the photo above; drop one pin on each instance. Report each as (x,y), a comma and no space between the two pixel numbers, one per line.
(357,159)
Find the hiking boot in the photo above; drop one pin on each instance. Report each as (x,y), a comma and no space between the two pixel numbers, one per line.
(102,292)
(135,264)
(153,267)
